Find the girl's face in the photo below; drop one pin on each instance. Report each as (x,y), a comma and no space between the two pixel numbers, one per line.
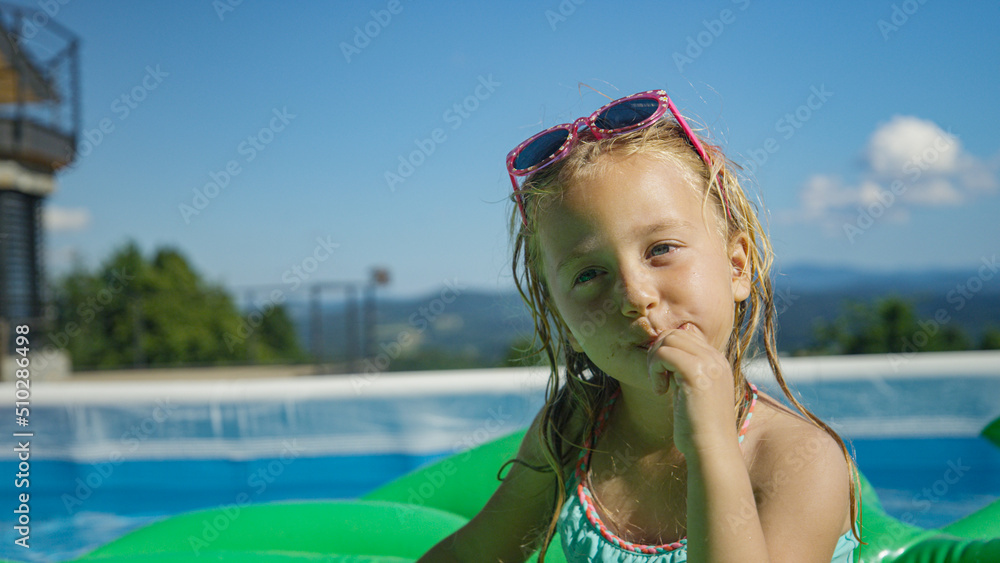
(627,254)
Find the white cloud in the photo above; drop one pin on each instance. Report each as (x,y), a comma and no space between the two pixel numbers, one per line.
(910,162)
(58,219)
(868,192)
(934,192)
(977,175)
(906,144)
(821,193)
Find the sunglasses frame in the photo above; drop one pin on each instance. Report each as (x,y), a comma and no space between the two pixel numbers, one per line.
(664,104)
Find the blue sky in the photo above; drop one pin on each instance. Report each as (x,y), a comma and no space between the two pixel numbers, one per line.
(847,111)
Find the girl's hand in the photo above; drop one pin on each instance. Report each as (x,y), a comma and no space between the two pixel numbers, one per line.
(684,364)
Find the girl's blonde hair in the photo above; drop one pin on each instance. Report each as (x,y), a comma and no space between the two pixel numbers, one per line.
(587,389)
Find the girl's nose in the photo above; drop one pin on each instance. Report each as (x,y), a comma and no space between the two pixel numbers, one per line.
(637,293)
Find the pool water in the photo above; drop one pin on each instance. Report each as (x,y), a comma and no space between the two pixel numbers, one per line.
(927,482)
(916,441)
(931,482)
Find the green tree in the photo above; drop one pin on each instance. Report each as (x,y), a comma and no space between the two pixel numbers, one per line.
(990,339)
(276,340)
(890,325)
(133,311)
(433,358)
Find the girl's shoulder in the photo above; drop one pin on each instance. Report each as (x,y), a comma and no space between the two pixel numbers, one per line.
(783,440)
(791,457)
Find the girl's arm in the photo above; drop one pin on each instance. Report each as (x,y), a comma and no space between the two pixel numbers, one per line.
(799,511)
(805,501)
(513,521)
(797,515)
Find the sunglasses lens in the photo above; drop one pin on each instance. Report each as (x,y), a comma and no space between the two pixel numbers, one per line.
(627,114)
(540,149)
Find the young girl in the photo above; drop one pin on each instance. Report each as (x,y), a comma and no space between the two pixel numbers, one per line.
(648,275)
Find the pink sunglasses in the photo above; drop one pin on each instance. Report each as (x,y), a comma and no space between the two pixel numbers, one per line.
(620,116)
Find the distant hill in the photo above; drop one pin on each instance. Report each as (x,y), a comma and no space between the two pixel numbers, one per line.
(815,278)
(484,324)
(476,323)
(806,294)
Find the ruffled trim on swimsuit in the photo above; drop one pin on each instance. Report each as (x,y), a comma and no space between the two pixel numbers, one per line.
(581,541)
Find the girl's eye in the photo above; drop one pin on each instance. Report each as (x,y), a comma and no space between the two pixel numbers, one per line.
(661,249)
(585,276)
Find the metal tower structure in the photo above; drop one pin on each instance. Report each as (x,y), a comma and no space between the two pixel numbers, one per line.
(39,123)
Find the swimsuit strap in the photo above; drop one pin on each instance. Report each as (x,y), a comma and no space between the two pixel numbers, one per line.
(753,403)
(586,497)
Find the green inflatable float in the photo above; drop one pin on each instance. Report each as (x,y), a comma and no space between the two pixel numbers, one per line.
(400,521)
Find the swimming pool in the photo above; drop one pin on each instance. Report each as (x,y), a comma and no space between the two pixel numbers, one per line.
(109,457)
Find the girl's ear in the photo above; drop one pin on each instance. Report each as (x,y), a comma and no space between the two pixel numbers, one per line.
(739,248)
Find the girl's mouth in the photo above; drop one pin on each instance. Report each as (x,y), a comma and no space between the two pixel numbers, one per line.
(649,343)
(654,338)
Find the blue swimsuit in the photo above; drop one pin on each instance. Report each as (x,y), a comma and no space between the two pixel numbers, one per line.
(581,541)
(584,540)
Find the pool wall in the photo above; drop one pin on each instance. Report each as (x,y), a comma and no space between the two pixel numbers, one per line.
(108,456)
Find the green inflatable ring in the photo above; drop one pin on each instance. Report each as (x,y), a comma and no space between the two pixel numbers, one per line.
(401,520)
(304,531)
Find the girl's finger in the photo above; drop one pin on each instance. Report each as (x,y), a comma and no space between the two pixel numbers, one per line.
(669,361)
(661,381)
(688,337)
